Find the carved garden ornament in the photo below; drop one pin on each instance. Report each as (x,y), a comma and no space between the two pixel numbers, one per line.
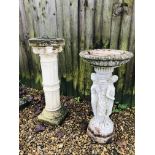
(101,127)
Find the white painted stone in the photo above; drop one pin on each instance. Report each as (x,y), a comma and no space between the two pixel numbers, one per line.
(101,127)
(102,99)
(49,67)
(48,50)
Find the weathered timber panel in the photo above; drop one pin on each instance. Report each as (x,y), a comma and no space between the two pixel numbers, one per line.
(124,43)
(84,24)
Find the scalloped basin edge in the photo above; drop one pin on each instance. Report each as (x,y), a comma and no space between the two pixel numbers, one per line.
(106,57)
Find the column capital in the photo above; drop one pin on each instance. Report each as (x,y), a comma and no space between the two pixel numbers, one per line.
(46,45)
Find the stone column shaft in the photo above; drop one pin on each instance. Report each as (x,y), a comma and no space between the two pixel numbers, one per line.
(49,66)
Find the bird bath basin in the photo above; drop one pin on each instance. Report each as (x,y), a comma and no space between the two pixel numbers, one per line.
(106,57)
(101,127)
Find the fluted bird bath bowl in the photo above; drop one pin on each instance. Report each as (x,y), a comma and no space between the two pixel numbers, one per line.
(101,127)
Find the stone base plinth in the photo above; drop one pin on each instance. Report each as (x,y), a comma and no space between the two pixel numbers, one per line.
(53,117)
(101,130)
(100,138)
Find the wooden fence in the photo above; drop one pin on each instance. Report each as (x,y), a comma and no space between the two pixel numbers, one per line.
(84,24)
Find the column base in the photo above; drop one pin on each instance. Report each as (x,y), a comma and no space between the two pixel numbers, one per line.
(53,117)
(100,138)
(100,131)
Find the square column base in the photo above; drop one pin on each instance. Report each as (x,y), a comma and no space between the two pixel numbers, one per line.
(53,117)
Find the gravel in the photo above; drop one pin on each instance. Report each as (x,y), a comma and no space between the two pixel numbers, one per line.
(70,137)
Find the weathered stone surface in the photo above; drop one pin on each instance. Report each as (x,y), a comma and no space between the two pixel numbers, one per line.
(106,57)
(53,117)
(101,127)
(103,139)
(48,49)
(44,42)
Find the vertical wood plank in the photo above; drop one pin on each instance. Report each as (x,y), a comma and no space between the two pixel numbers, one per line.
(97,24)
(23,50)
(46,17)
(125,25)
(74,40)
(36,13)
(61,56)
(130,75)
(116,22)
(106,25)
(123,43)
(132,65)
(40,7)
(23,62)
(59,19)
(29,17)
(33,4)
(115,31)
(89,20)
(68,54)
(67,36)
(50,18)
(81,46)
(33,60)
(89,35)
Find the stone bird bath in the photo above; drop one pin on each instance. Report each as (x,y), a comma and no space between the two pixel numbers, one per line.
(101,127)
(48,49)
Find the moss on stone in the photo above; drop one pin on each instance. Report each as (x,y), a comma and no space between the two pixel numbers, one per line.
(53,117)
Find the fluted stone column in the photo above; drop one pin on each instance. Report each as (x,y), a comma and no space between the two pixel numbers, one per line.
(48,50)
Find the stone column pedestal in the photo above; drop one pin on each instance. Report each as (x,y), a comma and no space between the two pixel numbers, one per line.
(100,127)
(48,50)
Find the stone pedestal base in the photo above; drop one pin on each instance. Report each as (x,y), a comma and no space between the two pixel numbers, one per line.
(101,130)
(48,49)
(101,127)
(53,117)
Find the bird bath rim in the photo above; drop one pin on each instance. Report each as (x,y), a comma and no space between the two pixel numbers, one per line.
(106,57)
